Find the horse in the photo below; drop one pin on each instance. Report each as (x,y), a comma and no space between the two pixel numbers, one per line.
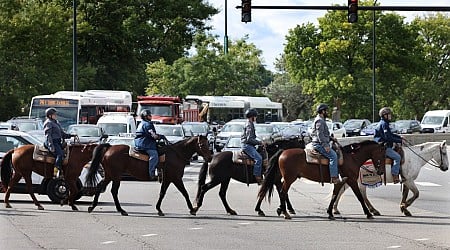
(415,158)
(21,160)
(115,161)
(222,169)
(292,164)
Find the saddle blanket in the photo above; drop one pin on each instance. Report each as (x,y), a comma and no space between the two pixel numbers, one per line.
(368,175)
(42,154)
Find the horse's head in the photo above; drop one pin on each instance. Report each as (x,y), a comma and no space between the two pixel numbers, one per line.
(443,156)
(203,148)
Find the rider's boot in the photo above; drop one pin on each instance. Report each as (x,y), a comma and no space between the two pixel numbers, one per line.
(395,178)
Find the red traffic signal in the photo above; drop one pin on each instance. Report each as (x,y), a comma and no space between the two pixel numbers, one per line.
(352,11)
(246,15)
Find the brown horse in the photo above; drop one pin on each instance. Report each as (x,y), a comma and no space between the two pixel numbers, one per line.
(222,169)
(292,165)
(21,160)
(116,161)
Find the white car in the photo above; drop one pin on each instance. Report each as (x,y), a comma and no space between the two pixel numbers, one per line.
(231,128)
(336,129)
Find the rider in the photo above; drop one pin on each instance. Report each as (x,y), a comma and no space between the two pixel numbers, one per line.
(145,140)
(54,136)
(321,142)
(384,134)
(248,141)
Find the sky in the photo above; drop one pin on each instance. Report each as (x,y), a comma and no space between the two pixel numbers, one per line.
(269,28)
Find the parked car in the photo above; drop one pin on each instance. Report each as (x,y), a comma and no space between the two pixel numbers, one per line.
(7,125)
(353,126)
(38,134)
(266,131)
(233,144)
(281,125)
(370,130)
(336,129)
(232,128)
(87,132)
(408,127)
(173,133)
(24,123)
(199,128)
(294,131)
(10,139)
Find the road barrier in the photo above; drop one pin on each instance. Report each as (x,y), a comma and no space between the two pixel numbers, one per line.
(414,138)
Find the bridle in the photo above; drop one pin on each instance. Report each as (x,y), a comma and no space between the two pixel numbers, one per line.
(432,163)
(203,148)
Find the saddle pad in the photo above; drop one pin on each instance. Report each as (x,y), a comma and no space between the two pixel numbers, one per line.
(368,175)
(41,154)
(314,157)
(239,157)
(132,152)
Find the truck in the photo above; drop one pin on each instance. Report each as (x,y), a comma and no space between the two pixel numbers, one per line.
(436,121)
(164,109)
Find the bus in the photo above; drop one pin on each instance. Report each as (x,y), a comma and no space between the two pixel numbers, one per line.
(76,107)
(221,109)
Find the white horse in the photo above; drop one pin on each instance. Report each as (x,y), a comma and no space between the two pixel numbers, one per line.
(415,158)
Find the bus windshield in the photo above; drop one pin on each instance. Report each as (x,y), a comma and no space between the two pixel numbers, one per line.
(65,115)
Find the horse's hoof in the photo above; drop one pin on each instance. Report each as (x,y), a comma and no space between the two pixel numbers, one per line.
(369,216)
(124,213)
(279,211)
(291,211)
(331,217)
(160,213)
(40,207)
(74,208)
(261,213)
(193,212)
(376,213)
(337,212)
(287,216)
(407,213)
(8,206)
(90,209)
(232,212)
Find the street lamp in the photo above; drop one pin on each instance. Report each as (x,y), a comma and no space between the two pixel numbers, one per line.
(74,47)
(225,38)
(373,64)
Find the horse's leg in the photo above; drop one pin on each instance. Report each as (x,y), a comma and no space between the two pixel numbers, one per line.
(371,208)
(102,185)
(15,178)
(165,184)
(223,196)
(114,191)
(287,201)
(355,189)
(29,185)
(338,198)
(180,186)
(258,206)
(203,190)
(408,185)
(73,191)
(283,195)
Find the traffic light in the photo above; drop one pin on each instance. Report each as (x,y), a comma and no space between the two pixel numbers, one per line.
(246,11)
(352,11)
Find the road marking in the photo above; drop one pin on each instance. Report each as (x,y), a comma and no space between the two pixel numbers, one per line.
(423,239)
(244,223)
(108,242)
(428,184)
(196,228)
(427,168)
(148,235)
(391,247)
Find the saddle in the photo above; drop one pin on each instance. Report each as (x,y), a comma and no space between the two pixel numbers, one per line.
(313,156)
(143,156)
(42,154)
(240,157)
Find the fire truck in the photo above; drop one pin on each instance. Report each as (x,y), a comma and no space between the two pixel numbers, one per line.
(165,109)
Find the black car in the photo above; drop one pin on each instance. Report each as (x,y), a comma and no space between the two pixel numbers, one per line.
(408,127)
(353,127)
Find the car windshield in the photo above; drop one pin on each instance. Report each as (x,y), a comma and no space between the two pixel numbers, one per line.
(195,129)
(402,124)
(263,129)
(169,130)
(352,124)
(432,120)
(234,142)
(233,128)
(85,131)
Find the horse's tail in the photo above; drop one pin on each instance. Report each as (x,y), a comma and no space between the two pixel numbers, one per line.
(6,169)
(97,155)
(202,177)
(270,178)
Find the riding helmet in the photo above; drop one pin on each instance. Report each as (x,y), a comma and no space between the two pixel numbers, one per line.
(251,113)
(321,107)
(50,111)
(145,113)
(385,111)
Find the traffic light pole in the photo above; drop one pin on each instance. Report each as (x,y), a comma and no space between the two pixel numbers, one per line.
(391,8)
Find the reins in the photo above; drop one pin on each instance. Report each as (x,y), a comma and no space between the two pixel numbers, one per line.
(432,163)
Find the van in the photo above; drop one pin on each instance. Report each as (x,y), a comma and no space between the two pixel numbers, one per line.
(115,123)
(436,121)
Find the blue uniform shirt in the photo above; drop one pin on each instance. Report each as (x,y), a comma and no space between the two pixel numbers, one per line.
(145,136)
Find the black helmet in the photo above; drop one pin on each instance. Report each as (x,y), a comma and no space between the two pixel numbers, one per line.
(50,111)
(251,113)
(145,113)
(385,111)
(321,107)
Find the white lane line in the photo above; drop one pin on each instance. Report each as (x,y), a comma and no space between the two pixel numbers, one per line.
(244,223)
(148,235)
(423,239)
(196,228)
(428,184)
(108,242)
(428,168)
(392,247)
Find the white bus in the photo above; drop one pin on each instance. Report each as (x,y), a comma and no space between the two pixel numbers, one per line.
(86,107)
(222,109)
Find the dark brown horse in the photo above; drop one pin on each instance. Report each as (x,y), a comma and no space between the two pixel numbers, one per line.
(292,165)
(222,169)
(116,161)
(21,160)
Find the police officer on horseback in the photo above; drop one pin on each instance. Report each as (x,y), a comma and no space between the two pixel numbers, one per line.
(384,134)
(54,136)
(321,141)
(249,143)
(145,140)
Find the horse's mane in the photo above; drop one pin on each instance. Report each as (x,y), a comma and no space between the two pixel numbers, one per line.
(355,146)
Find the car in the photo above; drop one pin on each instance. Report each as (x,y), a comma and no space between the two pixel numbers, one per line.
(7,125)
(10,139)
(174,133)
(370,130)
(266,132)
(336,129)
(408,127)
(87,133)
(232,128)
(281,125)
(199,128)
(24,123)
(294,131)
(233,144)
(38,134)
(121,139)
(353,126)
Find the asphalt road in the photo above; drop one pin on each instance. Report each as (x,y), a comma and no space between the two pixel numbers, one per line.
(56,227)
